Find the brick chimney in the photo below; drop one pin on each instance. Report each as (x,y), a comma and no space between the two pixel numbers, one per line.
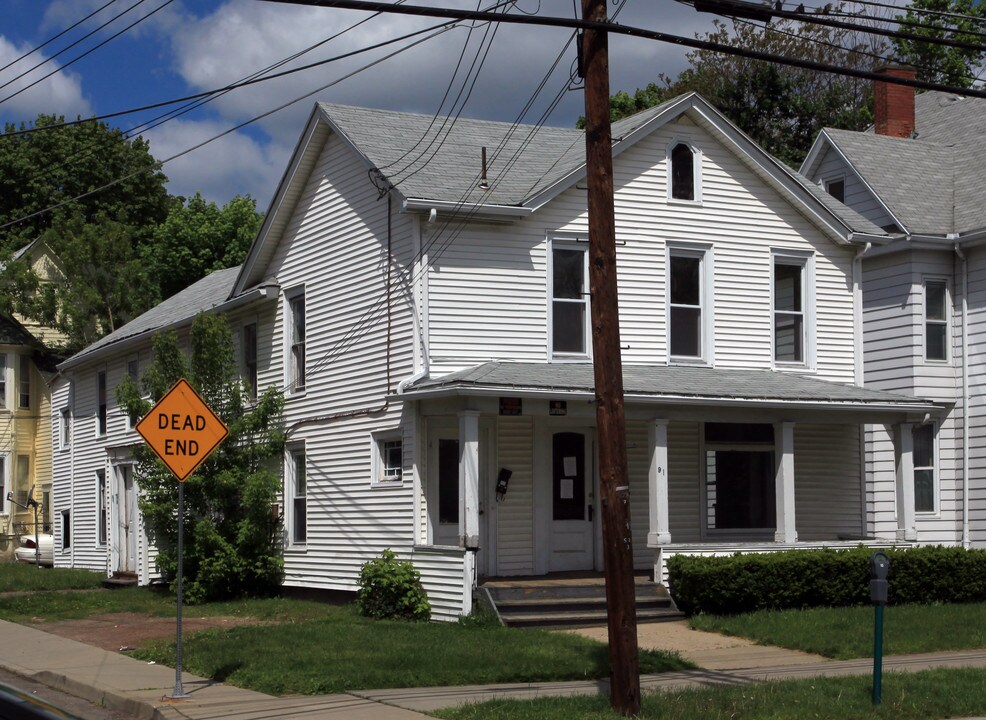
(893,105)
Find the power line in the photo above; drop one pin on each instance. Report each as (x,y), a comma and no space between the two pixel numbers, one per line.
(937,13)
(55,37)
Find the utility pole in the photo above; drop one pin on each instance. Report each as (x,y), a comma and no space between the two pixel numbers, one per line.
(608,370)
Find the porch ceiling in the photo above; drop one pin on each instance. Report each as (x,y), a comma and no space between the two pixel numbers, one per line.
(661,384)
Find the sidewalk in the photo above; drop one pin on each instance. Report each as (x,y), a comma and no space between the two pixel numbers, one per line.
(139,689)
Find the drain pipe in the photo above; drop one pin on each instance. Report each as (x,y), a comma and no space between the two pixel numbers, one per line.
(859,377)
(966,541)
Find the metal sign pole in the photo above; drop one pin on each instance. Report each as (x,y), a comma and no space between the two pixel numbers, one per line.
(179,693)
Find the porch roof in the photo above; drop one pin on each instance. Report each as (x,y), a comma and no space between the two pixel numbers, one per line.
(667,384)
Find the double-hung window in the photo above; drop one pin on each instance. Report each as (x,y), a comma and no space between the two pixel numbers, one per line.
(101,403)
(3,380)
(297,496)
(688,312)
(684,176)
(65,428)
(250,359)
(925,487)
(24,396)
(389,461)
(935,320)
(569,300)
(790,307)
(102,515)
(295,322)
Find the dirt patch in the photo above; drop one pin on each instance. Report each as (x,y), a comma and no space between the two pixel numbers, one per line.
(127,631)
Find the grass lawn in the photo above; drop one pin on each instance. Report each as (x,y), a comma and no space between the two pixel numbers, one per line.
(845,633)
(18,576)
(348,652)
(906,696)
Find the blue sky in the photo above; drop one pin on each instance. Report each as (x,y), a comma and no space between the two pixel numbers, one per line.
(196,45)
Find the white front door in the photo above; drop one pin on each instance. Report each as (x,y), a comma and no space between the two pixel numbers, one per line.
(573,511)
(125,516)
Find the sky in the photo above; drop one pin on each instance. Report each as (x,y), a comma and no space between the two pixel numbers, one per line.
(179,48)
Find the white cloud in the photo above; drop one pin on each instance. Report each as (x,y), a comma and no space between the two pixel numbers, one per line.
(59,94)
(232,165)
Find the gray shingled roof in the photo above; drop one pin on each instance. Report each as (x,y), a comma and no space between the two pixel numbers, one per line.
(531,160)
(673,381)
(205,294)
(931,182)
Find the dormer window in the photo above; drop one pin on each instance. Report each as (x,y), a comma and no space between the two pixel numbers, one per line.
(684,181)
(836,187)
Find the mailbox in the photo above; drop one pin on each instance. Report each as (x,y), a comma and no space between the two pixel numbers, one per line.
(879,567)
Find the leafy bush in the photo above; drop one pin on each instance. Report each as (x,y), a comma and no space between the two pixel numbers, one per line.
(391,588)
(823,578)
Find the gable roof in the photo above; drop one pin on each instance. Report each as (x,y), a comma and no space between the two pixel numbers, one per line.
(209,292)
(930,183)
(436,162)
(667,383)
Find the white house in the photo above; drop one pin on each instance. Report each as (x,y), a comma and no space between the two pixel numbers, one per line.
(917,175)
(419,290)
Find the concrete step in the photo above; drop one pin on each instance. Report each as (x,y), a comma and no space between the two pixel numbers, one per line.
(557,618)
(120,580)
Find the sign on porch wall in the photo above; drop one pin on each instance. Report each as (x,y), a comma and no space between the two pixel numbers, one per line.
(511,406)
(558,407)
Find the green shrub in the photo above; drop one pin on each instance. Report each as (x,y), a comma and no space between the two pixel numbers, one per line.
(391,588)
(822,578)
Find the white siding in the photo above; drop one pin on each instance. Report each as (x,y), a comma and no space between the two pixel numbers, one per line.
(827,486)
(444,576)
(684,482)
(858,195)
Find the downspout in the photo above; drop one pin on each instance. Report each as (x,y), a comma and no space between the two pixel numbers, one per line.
(860,375)
(966,541)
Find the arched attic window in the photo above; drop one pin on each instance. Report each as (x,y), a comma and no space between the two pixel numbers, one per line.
(684,181)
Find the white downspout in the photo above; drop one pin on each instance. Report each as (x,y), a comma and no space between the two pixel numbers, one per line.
(860,375)
(966,540)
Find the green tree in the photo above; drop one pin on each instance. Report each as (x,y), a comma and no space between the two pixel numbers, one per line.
(957,66)
(232,539)
(197,238)
(780,107)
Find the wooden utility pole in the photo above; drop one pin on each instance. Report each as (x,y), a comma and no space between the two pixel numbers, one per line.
(608,369)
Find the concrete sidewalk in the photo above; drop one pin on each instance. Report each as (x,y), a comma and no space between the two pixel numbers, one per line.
(139,689)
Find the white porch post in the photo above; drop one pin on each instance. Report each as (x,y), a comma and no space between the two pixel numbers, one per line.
(469,479)
(784,483)
(906,527)
(659,532)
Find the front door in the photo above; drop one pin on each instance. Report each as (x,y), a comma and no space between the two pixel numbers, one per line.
(445,472)
(572,501)
(125,514)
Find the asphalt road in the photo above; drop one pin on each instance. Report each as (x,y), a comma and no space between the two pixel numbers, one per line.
(77,707)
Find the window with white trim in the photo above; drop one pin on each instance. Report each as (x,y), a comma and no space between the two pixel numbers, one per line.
(5,482)
(102,515)
(925,484)
(296,496)
(250,359)
(836,187)
(133,372)
(790,309)
(388,457)
(739,478)
(684,173)
(24,384)
(935,320)
(101,403)
(569,295)
(295,331)
(3,380)
(688,312)
(22,481)
(65,428)
(66,529)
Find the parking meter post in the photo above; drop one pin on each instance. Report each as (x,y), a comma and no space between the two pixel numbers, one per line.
(879,569)
(179,692)
(37,540)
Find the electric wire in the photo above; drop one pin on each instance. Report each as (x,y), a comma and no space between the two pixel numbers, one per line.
(935,13)
(50,40)
(87,52)
(906,23)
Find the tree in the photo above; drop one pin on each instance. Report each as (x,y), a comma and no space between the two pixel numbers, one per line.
(780,107)
(197,238)
(232,539)
(941,63)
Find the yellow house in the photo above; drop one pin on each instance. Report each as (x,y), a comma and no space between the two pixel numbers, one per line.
(26,367)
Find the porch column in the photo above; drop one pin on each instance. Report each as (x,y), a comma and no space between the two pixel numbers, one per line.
(469,479)
(659,532)
(906,527)
(784,483)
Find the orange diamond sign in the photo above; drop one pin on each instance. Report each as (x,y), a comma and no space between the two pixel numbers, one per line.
(182,430)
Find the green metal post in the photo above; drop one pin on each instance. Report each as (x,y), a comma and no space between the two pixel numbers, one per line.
(878,654)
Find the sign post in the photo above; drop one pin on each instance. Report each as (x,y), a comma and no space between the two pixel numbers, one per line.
(182,430)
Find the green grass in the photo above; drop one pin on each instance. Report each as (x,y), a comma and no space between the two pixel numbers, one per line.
(347,652)
(906,696)
(846,633)
(18,576)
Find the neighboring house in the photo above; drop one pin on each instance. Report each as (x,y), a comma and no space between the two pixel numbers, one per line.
(917,175)
(427,314)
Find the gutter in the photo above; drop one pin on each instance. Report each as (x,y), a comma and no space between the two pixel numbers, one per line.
(261,291)
(476,209)
(966,543)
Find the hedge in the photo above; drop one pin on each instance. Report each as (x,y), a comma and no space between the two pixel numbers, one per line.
(822,578)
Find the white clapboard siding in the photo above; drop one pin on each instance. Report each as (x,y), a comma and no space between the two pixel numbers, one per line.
(827,484)
(638,465)
(444,577)
(684,482)
(488,289)
(515,514)
(977,389)
(881,482)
